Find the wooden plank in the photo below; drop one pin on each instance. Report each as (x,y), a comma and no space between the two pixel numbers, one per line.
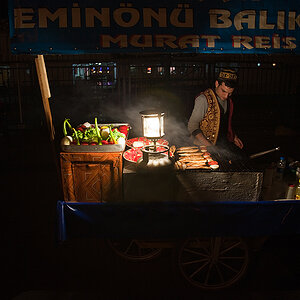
(45,91)
(42,75)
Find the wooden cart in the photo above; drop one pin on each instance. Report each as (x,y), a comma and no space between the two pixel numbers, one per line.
(210,241)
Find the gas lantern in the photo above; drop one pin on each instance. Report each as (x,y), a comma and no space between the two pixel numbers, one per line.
(155,156)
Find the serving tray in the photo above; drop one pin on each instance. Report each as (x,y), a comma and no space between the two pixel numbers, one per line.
(97,148)
(145,142)
(133,154)
(93,148)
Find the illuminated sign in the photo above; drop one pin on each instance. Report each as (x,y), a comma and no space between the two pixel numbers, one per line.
(196,26)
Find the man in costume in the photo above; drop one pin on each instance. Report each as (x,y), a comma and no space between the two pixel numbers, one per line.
(211,120)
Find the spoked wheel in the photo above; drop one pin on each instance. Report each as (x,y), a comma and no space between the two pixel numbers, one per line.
(133,250)
(213,263)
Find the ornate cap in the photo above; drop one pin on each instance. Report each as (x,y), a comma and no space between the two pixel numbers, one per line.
(227,74)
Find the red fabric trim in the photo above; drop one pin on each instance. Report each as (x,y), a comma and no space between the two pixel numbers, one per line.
(230,134)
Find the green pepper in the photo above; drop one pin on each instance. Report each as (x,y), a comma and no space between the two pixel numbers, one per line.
(76,137)
(98,132)
(66,122)
(112,135)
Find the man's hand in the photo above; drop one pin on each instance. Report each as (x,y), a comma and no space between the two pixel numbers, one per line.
(238,142)
(200,140)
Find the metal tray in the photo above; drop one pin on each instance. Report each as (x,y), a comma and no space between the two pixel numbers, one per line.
(97,148)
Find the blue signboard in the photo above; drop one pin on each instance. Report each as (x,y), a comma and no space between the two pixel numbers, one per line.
(116,26)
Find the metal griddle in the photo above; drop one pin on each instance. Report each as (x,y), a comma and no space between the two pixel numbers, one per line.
(235,180)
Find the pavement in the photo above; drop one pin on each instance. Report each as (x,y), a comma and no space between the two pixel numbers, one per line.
(37,266)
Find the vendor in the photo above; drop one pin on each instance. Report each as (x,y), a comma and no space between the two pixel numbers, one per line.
(211,120)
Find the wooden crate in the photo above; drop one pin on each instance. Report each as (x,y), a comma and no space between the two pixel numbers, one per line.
(91,177)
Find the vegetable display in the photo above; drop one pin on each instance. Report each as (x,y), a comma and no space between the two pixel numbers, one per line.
(94,134)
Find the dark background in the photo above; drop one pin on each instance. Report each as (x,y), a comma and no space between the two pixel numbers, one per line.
(37,266)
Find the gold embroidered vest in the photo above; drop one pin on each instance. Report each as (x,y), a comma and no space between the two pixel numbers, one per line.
(211,121)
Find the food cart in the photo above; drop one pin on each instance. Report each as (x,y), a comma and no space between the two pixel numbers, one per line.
(211,218)
(206,215)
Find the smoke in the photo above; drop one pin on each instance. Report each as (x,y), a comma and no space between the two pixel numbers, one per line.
(228,151)
(175,128)
(83,103)
(176,132)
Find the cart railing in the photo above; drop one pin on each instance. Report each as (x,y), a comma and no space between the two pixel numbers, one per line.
(174,220)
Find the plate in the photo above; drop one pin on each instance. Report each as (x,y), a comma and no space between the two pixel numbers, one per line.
(133,154)
(145,142)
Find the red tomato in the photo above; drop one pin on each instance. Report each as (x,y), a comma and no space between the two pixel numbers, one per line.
(84,143)
(104,142)
(213,162)
(123,129)
(93,143)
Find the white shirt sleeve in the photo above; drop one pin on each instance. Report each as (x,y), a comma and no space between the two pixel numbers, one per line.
(198,113)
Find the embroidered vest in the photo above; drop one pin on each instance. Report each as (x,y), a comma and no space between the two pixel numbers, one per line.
(211,121)
(210,124)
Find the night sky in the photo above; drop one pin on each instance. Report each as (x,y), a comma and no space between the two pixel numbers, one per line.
(3,10)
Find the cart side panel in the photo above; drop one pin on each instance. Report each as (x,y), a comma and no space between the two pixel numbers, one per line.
(174,220)
(91,177)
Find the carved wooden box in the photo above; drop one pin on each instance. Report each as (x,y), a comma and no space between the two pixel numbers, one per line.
(91,177)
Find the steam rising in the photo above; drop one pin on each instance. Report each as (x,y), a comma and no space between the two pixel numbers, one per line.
(84,103)
(81,105)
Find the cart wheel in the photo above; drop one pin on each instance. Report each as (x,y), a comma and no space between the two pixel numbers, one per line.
(133,250)
(213,263)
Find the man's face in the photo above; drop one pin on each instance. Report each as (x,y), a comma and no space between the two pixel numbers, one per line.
(223,91)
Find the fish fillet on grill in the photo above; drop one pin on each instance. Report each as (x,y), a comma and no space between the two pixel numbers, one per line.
(193,158)
(200,154)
